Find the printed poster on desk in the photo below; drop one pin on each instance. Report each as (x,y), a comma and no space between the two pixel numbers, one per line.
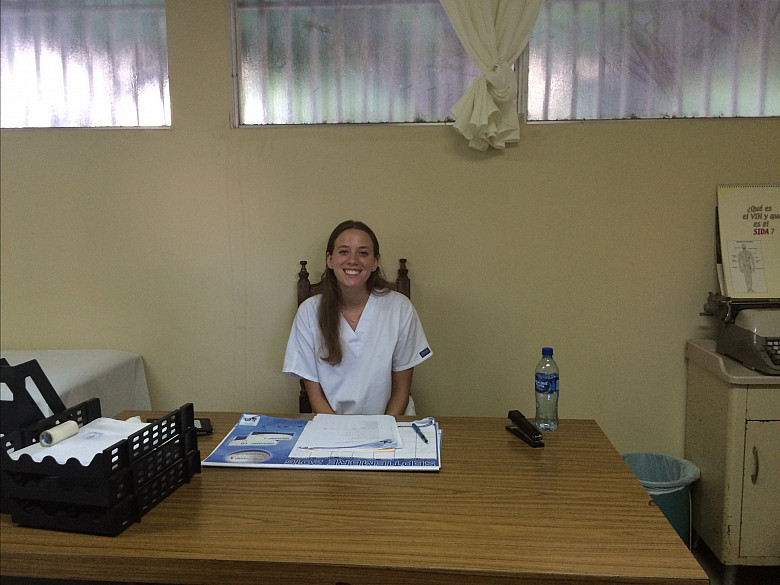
(263,441)
(749,233)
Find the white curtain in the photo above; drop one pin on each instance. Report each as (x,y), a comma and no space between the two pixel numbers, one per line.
(493,33)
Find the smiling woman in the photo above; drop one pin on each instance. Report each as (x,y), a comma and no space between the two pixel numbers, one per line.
(355,345)
(353,260)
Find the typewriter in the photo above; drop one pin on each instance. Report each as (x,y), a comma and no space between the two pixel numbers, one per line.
(749,331)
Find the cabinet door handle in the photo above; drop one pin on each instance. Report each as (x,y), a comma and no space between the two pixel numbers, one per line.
(754,477)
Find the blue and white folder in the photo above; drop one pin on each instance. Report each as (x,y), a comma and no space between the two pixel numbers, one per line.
(263,441)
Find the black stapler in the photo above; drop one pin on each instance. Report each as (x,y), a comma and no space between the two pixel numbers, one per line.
(524,429)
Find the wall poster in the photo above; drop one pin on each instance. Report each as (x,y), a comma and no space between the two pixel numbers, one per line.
(749,234)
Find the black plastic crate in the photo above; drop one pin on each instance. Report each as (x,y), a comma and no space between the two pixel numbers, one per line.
(67,490)
(98,491)
(166,482)
(73,518)
(100,520)
(120,484)
(118,456)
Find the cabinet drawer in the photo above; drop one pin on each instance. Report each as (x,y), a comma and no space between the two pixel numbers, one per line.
(763,403)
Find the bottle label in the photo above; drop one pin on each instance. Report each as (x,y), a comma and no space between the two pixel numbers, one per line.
(546,383)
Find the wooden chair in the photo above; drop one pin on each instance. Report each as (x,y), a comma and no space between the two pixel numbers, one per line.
(307,289)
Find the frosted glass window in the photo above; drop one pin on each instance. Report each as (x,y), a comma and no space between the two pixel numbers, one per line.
(330,61)
(600,59)
(84,63)
(373,61)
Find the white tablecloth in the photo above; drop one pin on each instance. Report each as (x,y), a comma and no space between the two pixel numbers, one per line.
(116,377)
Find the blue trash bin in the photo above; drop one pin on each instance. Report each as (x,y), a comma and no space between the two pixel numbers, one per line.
(667,480)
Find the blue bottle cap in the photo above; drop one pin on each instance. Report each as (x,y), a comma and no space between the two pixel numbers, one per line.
(547,351)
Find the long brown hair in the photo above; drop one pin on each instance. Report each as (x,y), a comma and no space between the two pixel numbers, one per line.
(329,313)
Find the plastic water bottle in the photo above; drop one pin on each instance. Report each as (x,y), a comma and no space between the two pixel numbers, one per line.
(547,392)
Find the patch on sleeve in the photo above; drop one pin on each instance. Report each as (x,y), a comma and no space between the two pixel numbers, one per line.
(425,352)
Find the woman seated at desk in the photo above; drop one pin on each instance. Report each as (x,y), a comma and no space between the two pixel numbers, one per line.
(356,345)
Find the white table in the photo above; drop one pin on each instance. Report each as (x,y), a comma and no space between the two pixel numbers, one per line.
(116,377)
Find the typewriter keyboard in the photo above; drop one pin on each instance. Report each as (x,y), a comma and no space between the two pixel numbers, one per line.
(772,347)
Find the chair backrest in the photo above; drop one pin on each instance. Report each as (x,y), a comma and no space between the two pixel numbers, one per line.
(307,289)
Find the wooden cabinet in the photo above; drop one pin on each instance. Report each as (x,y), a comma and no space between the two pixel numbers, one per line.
(732,434)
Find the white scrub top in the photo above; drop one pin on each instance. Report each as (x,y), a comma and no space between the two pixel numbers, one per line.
(389,338)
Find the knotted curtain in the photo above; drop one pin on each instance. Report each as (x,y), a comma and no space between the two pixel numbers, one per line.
(493,33)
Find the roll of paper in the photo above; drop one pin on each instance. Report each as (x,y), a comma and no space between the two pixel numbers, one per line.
(59,433)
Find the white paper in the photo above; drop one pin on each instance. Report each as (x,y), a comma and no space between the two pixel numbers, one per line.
(351,432)
(91,439)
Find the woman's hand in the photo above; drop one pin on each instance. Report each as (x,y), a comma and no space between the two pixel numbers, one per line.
(399,392)
(319,403)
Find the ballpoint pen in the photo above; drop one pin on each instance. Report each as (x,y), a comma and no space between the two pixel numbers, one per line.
(419,432)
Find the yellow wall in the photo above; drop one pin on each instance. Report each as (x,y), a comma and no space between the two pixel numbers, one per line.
(183,245)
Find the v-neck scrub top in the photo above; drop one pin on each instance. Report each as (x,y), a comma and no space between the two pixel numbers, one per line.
(389,338)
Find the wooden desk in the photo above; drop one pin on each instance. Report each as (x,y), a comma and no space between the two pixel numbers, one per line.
(498,512)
